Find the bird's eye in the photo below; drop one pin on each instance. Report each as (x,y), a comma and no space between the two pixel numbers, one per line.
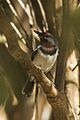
(46,36)
(55,51)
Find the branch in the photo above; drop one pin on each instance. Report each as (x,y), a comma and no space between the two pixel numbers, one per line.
(17,19)
(65,41)
(13,18)
(22,16)
(38,14)
(49,9)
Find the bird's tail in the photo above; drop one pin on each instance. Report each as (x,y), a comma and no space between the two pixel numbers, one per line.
(28,87)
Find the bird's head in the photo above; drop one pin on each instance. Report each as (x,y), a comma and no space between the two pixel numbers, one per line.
(48,42)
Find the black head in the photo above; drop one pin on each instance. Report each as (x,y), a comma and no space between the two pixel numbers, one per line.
(48,42)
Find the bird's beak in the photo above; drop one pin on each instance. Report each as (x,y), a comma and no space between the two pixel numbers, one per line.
(41,34)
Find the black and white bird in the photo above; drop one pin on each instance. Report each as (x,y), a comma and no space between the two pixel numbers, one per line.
(45,55)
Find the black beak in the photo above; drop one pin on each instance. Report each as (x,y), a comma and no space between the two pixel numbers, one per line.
(41,34)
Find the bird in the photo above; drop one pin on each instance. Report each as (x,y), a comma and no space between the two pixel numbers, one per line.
(46,53)
(43,57)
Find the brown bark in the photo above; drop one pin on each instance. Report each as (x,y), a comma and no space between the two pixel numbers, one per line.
(20,23)
(66,49)
(64,45)
(38,14)
(22,16)
(49,9)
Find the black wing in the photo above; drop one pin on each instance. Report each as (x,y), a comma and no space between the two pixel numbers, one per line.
(34,54)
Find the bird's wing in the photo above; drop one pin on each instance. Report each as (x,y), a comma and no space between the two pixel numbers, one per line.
(34,54)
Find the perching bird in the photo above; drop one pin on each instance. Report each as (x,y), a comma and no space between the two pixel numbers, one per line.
(43,57)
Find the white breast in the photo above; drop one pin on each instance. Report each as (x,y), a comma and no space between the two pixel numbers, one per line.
(44,62)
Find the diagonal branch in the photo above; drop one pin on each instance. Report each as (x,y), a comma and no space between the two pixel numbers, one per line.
(21,12)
